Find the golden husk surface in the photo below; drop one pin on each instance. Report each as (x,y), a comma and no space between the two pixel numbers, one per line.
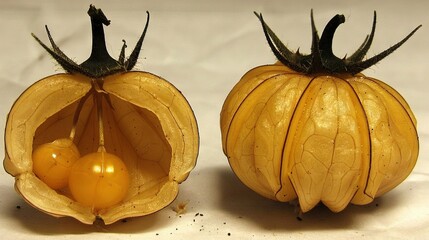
(330,139)
(149,125)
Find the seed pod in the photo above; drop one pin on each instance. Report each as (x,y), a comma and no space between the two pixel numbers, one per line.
(137,116)
(312,127)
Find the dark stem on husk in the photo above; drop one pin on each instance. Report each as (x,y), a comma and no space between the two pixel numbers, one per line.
(100,63)
(322,59)
(100,59)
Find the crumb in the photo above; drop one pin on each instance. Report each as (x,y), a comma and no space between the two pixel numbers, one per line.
(18,207)
(196,214)
(229,234)
(180,208)
(299,218)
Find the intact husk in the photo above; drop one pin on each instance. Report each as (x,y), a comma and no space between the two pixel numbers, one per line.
(336,139)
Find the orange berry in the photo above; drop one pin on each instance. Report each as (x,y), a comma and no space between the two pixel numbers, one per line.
(99,180)
(53,161)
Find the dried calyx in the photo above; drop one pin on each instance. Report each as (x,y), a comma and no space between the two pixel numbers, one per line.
(100,63)
(322,59)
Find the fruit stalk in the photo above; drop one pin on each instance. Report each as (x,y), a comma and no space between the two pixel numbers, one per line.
(99,105)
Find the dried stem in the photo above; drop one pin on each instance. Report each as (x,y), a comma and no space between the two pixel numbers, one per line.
(322,59)
(99,63)
(98,103)
(100,121)
(77,114)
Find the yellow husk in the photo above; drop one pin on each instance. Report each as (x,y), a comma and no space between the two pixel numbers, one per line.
(150,126)
(334,139)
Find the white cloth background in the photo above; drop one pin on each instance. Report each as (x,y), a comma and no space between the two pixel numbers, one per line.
(204,47)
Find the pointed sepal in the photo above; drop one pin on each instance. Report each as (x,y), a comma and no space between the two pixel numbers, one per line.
(322,59)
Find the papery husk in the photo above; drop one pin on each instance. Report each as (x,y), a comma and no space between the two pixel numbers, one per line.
(335,139)
(148,124)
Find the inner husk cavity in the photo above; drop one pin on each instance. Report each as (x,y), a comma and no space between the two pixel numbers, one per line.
(132,133)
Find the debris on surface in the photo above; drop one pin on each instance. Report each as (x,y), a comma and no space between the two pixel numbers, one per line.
(180,208)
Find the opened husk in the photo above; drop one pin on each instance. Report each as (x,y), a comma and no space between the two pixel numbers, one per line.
(151,127)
